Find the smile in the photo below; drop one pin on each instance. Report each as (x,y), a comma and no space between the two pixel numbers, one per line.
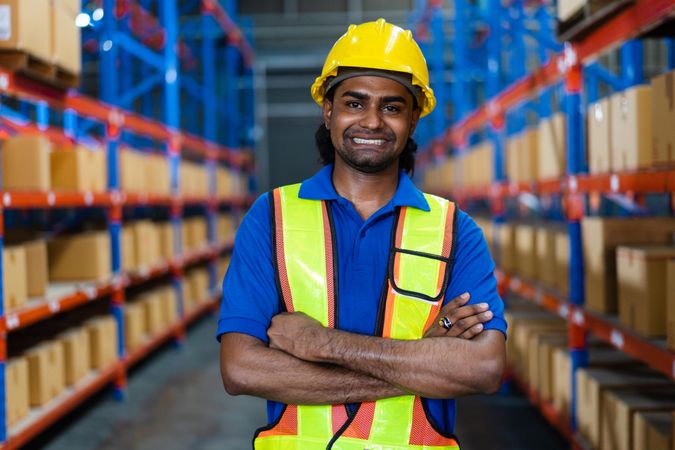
(369,141)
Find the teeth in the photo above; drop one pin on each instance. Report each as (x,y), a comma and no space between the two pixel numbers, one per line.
(369,141)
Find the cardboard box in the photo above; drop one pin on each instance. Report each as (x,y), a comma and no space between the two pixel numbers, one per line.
(146,243)
(169,305)
(84,256)
(593,382)
(223,182)
(46,372)
(663,118)
(529,156)
(167,246)
(76,351)
(159,181)
(71,169)
(620,408)
(653,431)
(507,246)
(14,277)
(66,41)
(102,341)
(568,8)
(562,261)
(535,376)
(132,176)
(600,238)
(521,335)
(552,145)
(526,245)
(154,313)
(546,378)
(631,116)
(128,249)
(195,233)
(600,137)
(134,325)
(25,162)
(22,29)
(36,268)
(545,252)
(17,390)
(641,273)
(225,228)
(670,303)
(198,285)
(513,146)
(98,174)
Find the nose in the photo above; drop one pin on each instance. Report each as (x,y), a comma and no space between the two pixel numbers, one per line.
(371,119)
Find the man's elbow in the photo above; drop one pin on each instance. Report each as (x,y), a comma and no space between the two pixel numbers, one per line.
(493,374)
(233,378)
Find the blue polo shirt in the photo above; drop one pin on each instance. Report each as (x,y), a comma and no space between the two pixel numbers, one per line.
(250,298)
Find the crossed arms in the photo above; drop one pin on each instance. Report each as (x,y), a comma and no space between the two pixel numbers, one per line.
(308,364)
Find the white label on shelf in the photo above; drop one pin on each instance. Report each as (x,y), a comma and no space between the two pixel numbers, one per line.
(51,199)
(5,22)
(614,183)
(563,311)
(4,82)
(144,272)
(54,306)
(7,199)
(13,321)
(616,338)
(88,198)
(578,318)
(573,183)
(91,292)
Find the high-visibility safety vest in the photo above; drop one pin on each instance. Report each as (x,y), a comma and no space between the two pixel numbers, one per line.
(420,263)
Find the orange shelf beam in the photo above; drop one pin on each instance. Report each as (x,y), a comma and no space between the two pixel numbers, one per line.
(631,22)
(606,328)
(42,310)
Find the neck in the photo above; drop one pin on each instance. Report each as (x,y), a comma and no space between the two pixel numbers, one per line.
(368,192)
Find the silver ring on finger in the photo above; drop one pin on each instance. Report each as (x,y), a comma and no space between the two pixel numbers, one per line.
(445,323)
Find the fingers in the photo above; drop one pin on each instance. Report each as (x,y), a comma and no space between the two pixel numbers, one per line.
(472,332)
(465,324)
(455,303)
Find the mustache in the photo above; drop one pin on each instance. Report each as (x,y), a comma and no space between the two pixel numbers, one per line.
(387,135)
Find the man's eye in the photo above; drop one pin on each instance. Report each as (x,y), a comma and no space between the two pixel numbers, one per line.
(353,104)
(391,108)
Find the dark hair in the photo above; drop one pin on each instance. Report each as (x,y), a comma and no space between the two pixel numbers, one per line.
(327,150)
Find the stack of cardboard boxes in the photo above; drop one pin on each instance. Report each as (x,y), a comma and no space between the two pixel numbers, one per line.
(45,370)
(196,288)
(149,314)
(50,37)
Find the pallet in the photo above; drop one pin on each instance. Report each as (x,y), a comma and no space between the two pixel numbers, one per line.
(38,69)
(587,18)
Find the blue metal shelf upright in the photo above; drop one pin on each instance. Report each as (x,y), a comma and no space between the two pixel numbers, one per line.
(508,68)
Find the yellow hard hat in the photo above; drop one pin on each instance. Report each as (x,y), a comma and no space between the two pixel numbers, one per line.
(382,46)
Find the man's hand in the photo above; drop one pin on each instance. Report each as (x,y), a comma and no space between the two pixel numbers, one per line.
(295,333)
(467,321)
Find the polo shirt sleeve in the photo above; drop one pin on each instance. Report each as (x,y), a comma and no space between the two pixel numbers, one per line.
(473,271)
(250,297)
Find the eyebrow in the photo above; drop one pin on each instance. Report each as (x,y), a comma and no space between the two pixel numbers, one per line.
(362,96)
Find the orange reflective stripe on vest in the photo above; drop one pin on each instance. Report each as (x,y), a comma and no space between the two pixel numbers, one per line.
(417,277)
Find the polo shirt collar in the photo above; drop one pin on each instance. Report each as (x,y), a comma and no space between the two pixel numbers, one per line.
(320,187)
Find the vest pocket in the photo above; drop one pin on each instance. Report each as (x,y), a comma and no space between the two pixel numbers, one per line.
(423,276)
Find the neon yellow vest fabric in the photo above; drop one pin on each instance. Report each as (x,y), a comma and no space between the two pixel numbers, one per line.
(419,268)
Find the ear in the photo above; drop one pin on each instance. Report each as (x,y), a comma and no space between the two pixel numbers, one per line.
(415,120)
(327,112)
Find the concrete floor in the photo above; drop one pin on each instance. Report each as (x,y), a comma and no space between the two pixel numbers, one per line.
(176,402)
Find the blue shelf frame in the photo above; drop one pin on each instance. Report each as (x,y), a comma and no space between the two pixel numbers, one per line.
(126,83)
(490,68)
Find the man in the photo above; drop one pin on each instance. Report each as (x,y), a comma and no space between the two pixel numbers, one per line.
(352,299)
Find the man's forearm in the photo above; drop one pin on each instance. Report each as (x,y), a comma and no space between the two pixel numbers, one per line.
(438,367)
(249,367)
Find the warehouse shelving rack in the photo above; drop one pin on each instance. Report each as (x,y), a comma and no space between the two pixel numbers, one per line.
(68,117)
(572,65)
